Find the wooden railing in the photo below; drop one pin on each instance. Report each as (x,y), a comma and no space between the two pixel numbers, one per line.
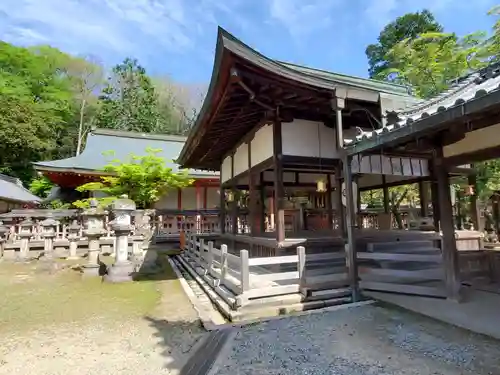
(240,279)
(25,226)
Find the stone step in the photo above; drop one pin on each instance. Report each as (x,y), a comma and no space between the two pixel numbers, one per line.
(202,360)
(376,246)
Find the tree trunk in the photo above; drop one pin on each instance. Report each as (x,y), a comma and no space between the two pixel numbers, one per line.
(80,128)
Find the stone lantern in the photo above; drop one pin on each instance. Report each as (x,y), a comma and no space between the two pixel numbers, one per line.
(25,233)
(122,268)
(94,229)
(4,231)
(49,229)
(73,237)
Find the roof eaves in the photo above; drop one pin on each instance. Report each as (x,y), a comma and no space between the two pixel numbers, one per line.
(128,134)
(205,108)
(467,99)
(371,84)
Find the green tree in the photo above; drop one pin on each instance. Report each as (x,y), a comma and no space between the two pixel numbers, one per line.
(36,108)
(491,47)
(145,179)
(41,186)
(431,62)
(129,101)
(408,26)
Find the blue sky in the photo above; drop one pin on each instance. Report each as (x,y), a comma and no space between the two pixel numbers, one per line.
(176,38)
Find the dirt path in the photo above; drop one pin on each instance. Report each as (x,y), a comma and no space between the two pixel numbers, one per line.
(131,342)
(366,340)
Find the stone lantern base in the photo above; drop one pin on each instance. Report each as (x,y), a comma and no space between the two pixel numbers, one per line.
(91,270)
(120,272)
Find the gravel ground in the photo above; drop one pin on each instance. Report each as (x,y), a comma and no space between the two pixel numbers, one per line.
(157,344)
(367,340)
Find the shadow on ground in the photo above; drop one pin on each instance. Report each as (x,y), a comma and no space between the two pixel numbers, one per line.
(178,340)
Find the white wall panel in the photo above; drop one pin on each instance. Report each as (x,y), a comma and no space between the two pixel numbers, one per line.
(262,145)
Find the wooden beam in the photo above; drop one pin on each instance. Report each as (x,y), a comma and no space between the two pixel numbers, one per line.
(473,157)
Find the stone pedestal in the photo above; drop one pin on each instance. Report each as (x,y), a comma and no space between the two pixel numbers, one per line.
(25,233)
(94,230)
(73,237)
(49,226)
(137,255)
(122,269)
(3,238)
(92,267)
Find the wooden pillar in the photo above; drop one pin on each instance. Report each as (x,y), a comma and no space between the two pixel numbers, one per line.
(279,190)
(474,207)
(233,204)
(435,199)
(198,195)
(350,247)
(329,206)
(449,245)
(252,195)
(222,209)
(263,199)
(338,193)
(179,199)
(424,199)
(205,197)
(495,204)
(337,104)
(385,194)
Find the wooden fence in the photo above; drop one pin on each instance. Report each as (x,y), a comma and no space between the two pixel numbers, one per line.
(241,279)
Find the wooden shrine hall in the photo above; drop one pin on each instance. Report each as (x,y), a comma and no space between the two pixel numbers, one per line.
(295,145)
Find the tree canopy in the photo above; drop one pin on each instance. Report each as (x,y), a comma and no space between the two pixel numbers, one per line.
(408,26)
(144,179)
(414,50)
(50,99)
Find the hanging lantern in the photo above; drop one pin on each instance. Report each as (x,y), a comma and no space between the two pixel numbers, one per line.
(469,190)
(321,186)
(229,196)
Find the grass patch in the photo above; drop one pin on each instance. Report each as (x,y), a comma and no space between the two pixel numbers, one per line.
(31,299)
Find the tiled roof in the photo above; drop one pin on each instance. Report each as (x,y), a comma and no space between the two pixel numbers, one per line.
(13,190)
(474,86)
(122,143)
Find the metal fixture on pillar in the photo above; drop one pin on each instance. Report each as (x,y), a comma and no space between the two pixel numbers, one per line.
(321,185)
